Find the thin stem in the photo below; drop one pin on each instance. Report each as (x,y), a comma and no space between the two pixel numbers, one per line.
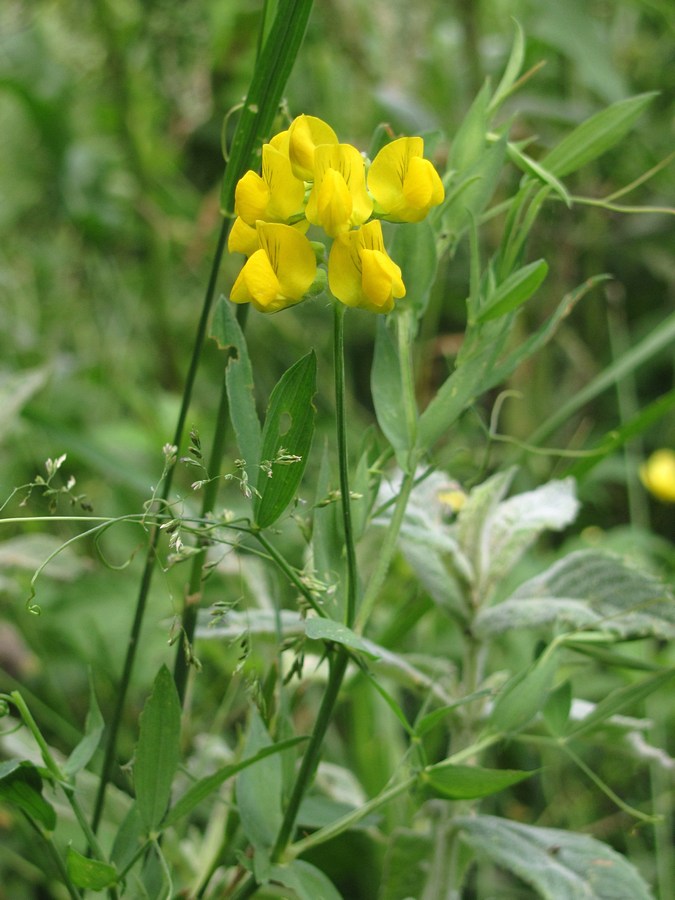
(289,572)
(339,366)
(148,570)
(386,553)
(191,604)
(340,657)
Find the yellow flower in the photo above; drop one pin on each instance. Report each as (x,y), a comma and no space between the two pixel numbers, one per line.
(404,185)
(275,196)
(360,273)
(658,475)
(280,273)
(304,136)
(243,238)
(339,198)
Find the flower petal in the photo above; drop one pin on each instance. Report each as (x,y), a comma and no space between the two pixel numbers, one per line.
(338,167)
(251,197)
(243,238)
(344,270)
(304,135)
(292,258)
(286,192)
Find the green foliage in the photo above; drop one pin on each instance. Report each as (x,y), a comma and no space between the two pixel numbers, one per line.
(435,625)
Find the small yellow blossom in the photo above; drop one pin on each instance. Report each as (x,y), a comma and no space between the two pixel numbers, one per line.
(275,196)
(280,273)
(339,199)
(403,184)
(658,475)
(305,134)
(243,238)
(360,272)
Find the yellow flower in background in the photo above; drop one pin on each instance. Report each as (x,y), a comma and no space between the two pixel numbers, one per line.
(658,475)
(339,198)
(360,272)
(280,273)
(403,184)
(305,134)
(275,196)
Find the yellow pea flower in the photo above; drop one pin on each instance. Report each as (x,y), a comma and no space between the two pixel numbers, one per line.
(305,134)
(275,196)
(243,238)
(658,475)
(403,184)
(339,198)
(280,273)
(361,273)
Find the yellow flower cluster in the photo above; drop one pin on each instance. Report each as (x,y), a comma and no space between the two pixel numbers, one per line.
(658,475)
(309,178)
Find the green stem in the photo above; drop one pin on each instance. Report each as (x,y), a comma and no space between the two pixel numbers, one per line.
(191,604)
(328,832)
(340,658)
(385,554)
(288,571)
(339,366)
(59,777)
(148,570)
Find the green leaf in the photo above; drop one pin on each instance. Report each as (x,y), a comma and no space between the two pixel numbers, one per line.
(289,426)
(406,864)
(259,789)
(469,782)
(516,290)
(524,695)
(474,519)
(92,874)
(472,193)
(620,699)
(586,589)
(656,341)
(559,865)
(413,248)
(541,336)
(468,144)
(557,710)
(328,630)
(530,167)
(386,387)
(239,380)
(308,882)
(93,730)
(477,358)
(432,719)
(158,751)
(203,788)
(21,786)
(596,135)
(646,418)
(265,91)
(512,70)
(517,522)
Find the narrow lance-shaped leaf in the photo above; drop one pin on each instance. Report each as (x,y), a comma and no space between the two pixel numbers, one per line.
(239,380)
(157,753)
(93,730)
(259,789)
(265,91)
(286,439)
(385,386)
(516,290)
(596,135)
(468,782)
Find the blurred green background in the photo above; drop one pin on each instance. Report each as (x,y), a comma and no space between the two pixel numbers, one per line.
(111,117)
